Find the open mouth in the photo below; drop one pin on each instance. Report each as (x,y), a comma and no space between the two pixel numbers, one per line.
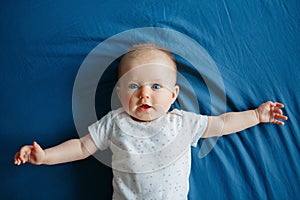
(144,107)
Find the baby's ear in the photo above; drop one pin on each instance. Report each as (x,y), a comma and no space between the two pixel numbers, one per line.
(175,93)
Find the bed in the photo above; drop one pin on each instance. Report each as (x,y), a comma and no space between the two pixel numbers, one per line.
(231,56)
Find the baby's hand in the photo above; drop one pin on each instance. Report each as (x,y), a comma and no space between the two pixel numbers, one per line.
(33,154)
(271,112)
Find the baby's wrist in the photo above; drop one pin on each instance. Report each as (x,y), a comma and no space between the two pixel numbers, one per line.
(257,115)
(44,160)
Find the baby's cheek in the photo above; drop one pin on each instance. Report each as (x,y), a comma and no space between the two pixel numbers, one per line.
(124,100)
(167,102)
(131,102)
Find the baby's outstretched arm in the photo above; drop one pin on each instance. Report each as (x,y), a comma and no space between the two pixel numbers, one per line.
(71,150)
(232,122)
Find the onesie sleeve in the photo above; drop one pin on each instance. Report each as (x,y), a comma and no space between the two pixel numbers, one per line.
(100,131)
(196,124)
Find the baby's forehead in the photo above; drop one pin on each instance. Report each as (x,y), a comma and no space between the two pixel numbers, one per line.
(148,73)
(153,70)
(146,57)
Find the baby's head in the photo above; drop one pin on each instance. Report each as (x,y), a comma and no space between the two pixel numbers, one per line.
(147,82)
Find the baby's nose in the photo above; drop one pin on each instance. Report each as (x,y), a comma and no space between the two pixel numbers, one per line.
(144,92)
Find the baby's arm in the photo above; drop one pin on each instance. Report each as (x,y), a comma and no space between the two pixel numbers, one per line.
(71,150)
(232,122)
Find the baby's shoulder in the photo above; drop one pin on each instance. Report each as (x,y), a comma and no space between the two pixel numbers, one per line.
(186,114)
(176,112)
(181,113)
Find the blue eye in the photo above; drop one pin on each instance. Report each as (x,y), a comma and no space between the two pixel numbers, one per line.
(156,86)
(133,86)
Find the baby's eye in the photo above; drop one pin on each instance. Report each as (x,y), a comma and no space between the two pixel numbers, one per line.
(156,86)
(133,86)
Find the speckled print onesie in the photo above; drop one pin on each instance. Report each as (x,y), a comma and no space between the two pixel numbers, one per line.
(151,160)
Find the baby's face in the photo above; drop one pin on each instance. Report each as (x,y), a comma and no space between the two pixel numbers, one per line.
(147,89)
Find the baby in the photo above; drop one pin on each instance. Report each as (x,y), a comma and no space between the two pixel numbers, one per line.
(150,145)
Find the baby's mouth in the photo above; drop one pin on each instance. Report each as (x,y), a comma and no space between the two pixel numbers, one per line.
(144,107)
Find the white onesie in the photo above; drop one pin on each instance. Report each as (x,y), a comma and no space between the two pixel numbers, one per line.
(151,160)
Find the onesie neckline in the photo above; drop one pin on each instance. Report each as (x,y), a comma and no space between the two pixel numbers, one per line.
(139,129)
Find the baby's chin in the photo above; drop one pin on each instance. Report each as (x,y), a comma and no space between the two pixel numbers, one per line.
(155,113)
(139,119)
(146,118)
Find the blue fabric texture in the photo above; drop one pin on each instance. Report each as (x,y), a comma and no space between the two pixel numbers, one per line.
(254,45)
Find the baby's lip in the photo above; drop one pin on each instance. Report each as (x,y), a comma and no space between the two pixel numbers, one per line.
(144,106)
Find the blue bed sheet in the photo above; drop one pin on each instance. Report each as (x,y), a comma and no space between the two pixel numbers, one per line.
(252,45)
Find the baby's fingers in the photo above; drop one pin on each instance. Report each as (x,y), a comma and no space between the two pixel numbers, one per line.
(23,155)
(278,122)
(278,118)
(282,117)
(17,159)
(279,105)
(277,111)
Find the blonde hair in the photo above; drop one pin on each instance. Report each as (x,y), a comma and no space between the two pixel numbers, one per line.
(139,49)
